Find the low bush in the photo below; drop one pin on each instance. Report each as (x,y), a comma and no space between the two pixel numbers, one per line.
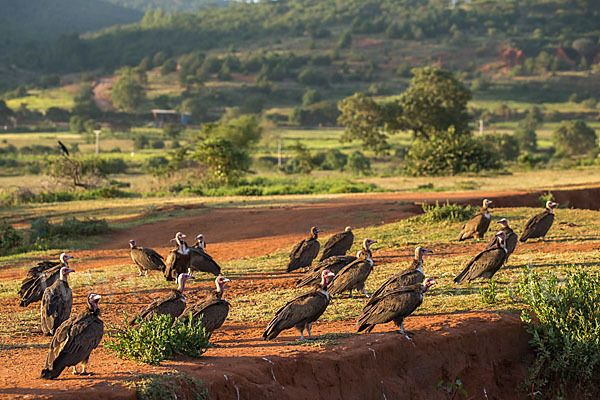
(158,339)
(10,239)
(563,317)
(69,228)
(446,212)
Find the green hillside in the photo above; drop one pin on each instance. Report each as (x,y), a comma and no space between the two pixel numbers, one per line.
(171,6)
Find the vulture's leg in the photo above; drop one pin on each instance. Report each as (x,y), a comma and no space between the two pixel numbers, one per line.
(301,334)
(350,293)
(405,333)
(75,372)
(365,292)
(140,274)
(189,271)
(146,273)
(308,329)
(83,365)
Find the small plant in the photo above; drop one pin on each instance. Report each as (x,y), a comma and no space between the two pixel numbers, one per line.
(168,385)
(452,388)
(158,339)
(446,212)
(488,295)
(548,196)
(565,331)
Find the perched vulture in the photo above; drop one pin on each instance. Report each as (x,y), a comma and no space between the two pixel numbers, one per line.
(200,260)
(539,225)
(487,263)
(354,275)
(146,259)
(178,260)
(171,304)
(305,251)
(335,264)
(39,278)
(63,148)
(338,244)
(410,276)
(213,310)
(302,311)
(478,225)
(74,341)
(511,238)
(393,306)
(57,301)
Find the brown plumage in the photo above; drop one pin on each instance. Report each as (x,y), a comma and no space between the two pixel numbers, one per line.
(39,278)
(338,244)
(213,310)
(301,312)
(485,264)
(178,260)
(305,251)
(511,238)
(410,276)
(173,303)
(57,301)
(478,225)
(395,306)
(354,275)
(74,341)
(201,261)
(146,259)
(539,225)
(335,264)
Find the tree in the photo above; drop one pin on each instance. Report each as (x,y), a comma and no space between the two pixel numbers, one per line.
(85,106)
(5,113)
(358,163)
(363,120)
(128,91)
(574,137)
(311,96)
(243,132)
(434,101)
(224,160)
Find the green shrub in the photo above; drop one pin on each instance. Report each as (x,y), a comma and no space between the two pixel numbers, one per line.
(563,318)
(446,212)
(548,196)
(574,137)
(359,163)
(69,228)
(10,239)
(158,339)
(488,294)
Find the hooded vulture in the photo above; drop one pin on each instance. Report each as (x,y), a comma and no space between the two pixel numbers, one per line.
(478,225)
(338,244)
(410,276)
(335,264)
(354,275)
(200,260)
(539,225)
(511,238)
(74,341)
(395,306)
(178,260)
(57,301)
(146,259)
(171,304)
(302,311)
(39,278)
(305,251)
(213,310)
(487,263)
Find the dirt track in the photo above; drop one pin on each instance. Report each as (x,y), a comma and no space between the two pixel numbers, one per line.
(489,348)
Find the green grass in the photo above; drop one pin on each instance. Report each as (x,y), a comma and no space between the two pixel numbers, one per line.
(41,100)
(326,339)
(167,385)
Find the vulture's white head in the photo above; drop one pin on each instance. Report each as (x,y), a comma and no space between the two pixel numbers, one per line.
(220,283)
(64,273)
(427,283)
(486,203)
(132,243)
(315,231)
(551,204)
(367,243)
(326,276)
(348,229)
(93,300)
(419,251)
(64,258)
(503,222)
(181,279)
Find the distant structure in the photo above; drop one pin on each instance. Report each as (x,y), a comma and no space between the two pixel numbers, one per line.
(162,117)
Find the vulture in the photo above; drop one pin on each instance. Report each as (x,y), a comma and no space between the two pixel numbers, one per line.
(74,340)
(511,238)
(410,276)
(146,259)
(354,275)
(486,263)
(478,225)
(305,251)
(335,264)
(39,278)
(200,260)
(63,148)
(395,306)
(171,304)
(57,301)
(302,311)
(213,310)
(178,260)
(539,225)
(338,244)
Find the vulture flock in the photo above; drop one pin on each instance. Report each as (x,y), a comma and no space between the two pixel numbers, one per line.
(75,336)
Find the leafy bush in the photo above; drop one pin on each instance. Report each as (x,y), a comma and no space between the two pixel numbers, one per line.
(334,159)
(359,163)
(446,212)
(563,318)
(69,228)
(158,339)
(10,239)
(548,196)
(488,294)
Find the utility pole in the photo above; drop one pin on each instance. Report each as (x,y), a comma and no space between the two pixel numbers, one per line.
(279,152)
(480,127)
(97,132)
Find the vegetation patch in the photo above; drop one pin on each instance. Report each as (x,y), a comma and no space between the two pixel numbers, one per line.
(168,385)
(326,339)
(446,212)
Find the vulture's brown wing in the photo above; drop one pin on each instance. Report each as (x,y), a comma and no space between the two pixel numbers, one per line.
(407,277)
(397,304)
(148,259)
(337,245)
(470,227)
(203,262)
(176,264)
(33,288)
(511,242)
(303,254)
(482,264)
(334,263)
(307,307)
(350,276)
(57,302)
(537,226)
(168,304)
(213,312)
